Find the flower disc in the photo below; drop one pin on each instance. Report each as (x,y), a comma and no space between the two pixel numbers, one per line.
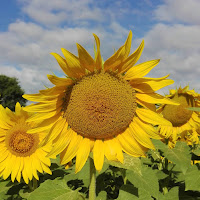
(179,115)
(21,143)
(100,105)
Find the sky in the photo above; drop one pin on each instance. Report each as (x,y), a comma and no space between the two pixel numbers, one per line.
(31,29)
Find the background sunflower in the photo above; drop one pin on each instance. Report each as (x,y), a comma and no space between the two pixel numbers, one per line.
(20,154)
(184,122)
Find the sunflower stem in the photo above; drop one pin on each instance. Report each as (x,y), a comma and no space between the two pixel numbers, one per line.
(35,183)
(92,187)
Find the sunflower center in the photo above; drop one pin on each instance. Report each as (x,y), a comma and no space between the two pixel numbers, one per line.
(100,105)
(21,143)
(179,115)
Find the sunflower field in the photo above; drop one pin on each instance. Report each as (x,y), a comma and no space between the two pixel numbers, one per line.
(102,132)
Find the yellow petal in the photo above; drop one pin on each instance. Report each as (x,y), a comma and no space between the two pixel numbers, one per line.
(140,70)
(98,154)
(55,130)
(154,98)
(150,85)
(140,135)
(98,58)
(44,107)
(18,108)
(131,60)
(60,81)
(148,128)
(86,60)
(15,168)
(114,61)
(62,62)
(73,63)
(46,124)
(130,145)
(82,154)
(62,142)
(152,117)
(70,152)
(113,150)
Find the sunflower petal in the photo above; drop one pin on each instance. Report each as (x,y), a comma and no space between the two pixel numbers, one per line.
(98,154)
(141,70)
(73,63)
(62,62)
(86,60)
(70,152)
(154,99)
(60,81)
(131,60)
(152,117)
(98,58)
(82,154)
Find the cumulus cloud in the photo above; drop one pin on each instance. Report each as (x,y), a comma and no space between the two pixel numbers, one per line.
(180,11)
(55,12)
(178,48)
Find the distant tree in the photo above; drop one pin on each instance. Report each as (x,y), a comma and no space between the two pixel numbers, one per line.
(10,92)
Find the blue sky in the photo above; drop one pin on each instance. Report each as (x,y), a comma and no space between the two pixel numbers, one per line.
(31,29)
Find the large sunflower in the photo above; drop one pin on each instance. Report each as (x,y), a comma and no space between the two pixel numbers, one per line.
(19,151)
(95,108)
(184,122)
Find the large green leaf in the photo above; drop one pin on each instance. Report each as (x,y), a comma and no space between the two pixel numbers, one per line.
(192,179)
(145,178)
(128,192)
(173,194)
(55,190)
(180,155)
(129,163)
(4,187)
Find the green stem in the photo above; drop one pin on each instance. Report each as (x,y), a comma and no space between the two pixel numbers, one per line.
(33,184)
(92,187)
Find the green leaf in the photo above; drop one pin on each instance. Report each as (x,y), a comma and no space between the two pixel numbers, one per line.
(56,189)
(102,195)
(4,187)
(144,195)
(159,145)
(128,192)
(161,175)
(172,194)
(180,155)
(82,175)
(144,178)
(192,179)
(129,163)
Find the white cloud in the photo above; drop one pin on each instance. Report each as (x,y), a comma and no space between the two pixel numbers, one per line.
(179,50)
(55,12)
(178,10)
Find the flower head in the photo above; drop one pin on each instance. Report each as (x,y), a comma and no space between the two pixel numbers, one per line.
(20,154)
(104,108)
(184,122)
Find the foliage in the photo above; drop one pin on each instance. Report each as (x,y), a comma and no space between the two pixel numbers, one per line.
(10,92)
(164,174)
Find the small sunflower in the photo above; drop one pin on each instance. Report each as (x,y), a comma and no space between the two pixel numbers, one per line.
(104,108)
(184,122)
(19,151)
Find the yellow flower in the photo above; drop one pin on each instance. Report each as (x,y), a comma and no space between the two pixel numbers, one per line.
(95,108)
(184,122)
(19,151)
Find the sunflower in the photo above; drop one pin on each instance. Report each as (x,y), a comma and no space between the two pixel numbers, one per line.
(102,107)
(19,151)
(184,122)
